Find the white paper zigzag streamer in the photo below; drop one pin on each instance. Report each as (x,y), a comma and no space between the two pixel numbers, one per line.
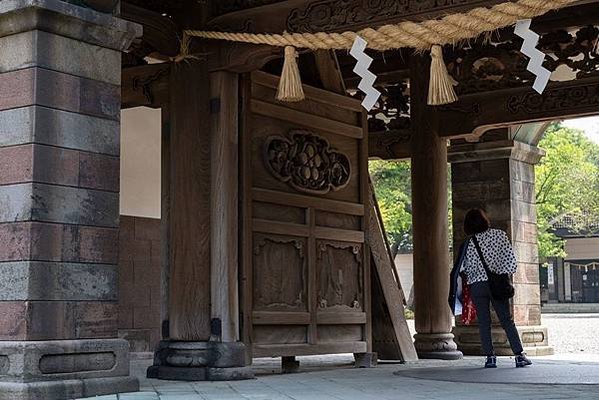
(529,48)
(361,69)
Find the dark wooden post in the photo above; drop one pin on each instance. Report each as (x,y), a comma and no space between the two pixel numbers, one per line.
(202,232)
(225,204)
(430,224)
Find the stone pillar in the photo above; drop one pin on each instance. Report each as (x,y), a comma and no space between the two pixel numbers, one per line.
(430,225)
(498,176)
(202,233)
(60,70)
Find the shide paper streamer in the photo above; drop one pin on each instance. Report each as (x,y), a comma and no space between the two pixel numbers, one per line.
(361,69)
(529,48)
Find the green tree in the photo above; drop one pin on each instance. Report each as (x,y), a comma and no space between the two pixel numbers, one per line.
(567,184)
(392,183)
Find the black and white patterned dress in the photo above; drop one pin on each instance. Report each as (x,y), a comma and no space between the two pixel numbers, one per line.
(498,253)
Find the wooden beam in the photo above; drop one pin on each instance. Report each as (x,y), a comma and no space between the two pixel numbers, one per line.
(391,333)
(392,145)
(335,15)
(146,85)
(475,114)
(329,71)
(160,33)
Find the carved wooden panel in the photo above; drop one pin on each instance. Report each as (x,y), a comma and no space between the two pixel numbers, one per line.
(307,162)
(279,273)
(304,171)
(340,277)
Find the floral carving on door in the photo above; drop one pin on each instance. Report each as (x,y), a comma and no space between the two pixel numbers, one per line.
(307,162)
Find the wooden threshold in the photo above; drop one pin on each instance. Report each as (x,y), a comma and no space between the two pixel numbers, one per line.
(283,350)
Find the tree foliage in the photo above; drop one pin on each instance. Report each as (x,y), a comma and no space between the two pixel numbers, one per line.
(392,183)
(567,185)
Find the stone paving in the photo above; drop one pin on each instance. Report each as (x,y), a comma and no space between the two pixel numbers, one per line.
(387,381)
(563,376)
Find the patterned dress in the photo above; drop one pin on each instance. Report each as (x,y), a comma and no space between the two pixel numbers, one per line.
(498,253)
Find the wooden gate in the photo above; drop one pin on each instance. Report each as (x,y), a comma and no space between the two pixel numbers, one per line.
(305,261)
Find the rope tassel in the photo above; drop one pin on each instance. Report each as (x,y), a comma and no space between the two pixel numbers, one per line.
(290,86)
(440,90)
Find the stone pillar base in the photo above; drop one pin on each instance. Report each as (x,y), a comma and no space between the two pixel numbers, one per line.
(534,340)
(438,346)
(64,369)
(200,361)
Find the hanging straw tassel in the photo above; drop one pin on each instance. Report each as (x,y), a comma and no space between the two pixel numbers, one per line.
(440,90)
(290,85)
(185,51)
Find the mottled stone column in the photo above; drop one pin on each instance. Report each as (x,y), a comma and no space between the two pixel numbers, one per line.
(498,176)
(60,69)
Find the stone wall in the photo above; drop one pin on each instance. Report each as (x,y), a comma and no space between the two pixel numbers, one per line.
(139,282)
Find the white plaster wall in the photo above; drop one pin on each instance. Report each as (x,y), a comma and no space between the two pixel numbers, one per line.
(404,263)
(582,249)
(140,162)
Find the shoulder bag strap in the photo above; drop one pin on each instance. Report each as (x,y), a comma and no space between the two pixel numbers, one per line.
(480,255)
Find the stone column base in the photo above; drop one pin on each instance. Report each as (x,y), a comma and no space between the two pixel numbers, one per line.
(200,361)
(64,369)
(440,346)
(534,340)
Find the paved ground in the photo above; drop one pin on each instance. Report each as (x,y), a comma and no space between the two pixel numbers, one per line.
(570,374)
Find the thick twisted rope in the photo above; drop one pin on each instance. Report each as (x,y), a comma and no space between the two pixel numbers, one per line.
(450,29)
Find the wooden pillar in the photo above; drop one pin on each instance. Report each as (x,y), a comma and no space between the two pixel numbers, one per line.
(203,326)
(189,286)
(430,224)
(225,232)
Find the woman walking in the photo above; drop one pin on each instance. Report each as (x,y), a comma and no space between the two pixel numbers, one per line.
(488,254)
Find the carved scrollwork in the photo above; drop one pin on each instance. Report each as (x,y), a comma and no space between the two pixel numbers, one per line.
(340,275)
(488,66)
(307,162)
(279,285)
(327,15)
(392,111)
(562,99)
(299,245)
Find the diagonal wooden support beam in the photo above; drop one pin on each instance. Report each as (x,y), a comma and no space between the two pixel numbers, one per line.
(329,71)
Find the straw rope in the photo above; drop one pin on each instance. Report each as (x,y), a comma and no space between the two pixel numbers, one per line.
(422,36)
(450,29)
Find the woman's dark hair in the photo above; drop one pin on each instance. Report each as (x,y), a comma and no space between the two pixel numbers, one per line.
(475,221)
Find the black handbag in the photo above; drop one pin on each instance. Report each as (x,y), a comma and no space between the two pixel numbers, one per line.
(500,284)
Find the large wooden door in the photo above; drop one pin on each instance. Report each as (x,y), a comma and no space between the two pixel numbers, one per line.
(305,261)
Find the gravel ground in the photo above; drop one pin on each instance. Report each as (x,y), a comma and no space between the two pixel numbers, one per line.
(568,333)
(573,333)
